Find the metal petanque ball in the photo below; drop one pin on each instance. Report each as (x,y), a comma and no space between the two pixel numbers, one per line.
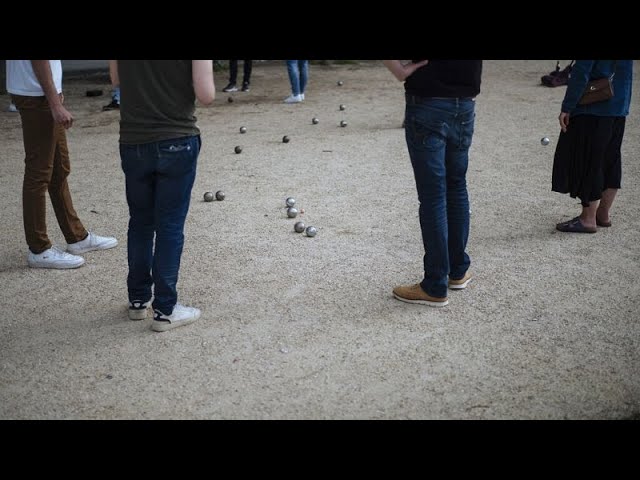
(290,201)
(285,139)
(208,196)
(243,129)
(340,83)
(292,212)
(220,195)
(342,107)
(311,231)
(299,227)
(238,149)
(230,100)
(314,120)
(545,141)
(343,123)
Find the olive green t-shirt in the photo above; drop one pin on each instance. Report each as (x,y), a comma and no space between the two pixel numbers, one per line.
(157,100)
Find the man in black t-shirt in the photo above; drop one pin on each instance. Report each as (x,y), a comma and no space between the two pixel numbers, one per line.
(439,121)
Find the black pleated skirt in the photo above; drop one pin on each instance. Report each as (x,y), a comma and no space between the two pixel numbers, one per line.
(587,160)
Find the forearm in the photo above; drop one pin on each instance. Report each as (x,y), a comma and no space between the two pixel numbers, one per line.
(113,73)
(203,83)
(42,70)
(403,71)
(396,67)
(578,80)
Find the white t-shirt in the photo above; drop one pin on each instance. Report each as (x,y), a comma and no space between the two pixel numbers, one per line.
(21,79)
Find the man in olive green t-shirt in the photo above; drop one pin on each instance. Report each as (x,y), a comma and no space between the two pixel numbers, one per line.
(159,147)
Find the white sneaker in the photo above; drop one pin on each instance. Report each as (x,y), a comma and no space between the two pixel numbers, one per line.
(138,309)
(293,99)
(302,96)
(92,242)
(12,108)
(54,258)
(181,315)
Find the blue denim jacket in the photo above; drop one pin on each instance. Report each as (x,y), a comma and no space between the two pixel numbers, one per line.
(585,70)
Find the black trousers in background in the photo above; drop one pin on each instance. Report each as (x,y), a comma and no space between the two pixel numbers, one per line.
(233,71)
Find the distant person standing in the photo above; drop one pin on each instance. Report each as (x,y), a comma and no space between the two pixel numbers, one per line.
(233,76)
(298,76)
(439,122)
(159,147)
(36,90)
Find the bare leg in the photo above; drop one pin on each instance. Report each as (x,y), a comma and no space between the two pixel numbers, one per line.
(605,204)
(588,215)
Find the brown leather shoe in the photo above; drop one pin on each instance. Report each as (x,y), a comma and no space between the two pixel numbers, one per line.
(461,283)
(415,294)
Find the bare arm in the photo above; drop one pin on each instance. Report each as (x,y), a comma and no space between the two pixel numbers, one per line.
(402,71)
(42,69)
(203,82)
(113,73)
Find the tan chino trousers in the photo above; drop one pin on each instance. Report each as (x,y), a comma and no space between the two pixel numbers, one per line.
(47,167)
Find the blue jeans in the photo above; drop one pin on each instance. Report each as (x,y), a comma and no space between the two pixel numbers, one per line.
(298,75)
(159,177)
(438,133)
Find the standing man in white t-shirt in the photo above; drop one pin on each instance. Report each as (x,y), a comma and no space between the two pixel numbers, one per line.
(36,90)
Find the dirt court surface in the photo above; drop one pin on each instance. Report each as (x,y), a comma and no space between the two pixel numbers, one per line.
(307,328)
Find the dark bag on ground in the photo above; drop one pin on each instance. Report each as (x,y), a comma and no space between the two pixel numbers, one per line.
(597,91)
(558,77)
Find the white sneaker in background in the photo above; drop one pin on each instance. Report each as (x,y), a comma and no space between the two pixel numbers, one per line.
(12,108)
(92,242)
(293,99)
(302,96)
(181,315)
(54,257)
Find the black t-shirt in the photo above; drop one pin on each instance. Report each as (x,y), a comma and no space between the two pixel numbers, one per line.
(446,78)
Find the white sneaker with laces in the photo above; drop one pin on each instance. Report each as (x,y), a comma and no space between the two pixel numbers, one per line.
(302,96)
(293,99)
(54,257)
(92,242)
(180,316)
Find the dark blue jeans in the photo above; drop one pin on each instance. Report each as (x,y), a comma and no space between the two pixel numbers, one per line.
(439,133)
(159,177)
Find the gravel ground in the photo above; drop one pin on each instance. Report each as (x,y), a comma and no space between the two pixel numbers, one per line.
(306,328)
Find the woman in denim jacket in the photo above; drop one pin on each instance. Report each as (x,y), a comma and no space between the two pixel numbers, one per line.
(587,162)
